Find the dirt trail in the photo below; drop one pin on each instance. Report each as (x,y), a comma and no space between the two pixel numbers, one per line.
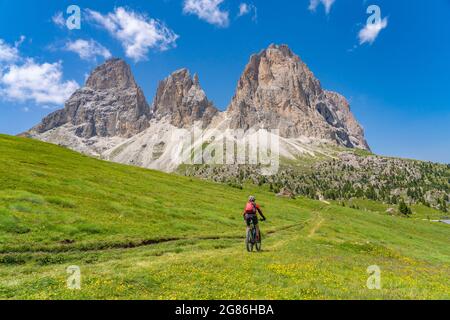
(316,226)
(99,247)
(102,247)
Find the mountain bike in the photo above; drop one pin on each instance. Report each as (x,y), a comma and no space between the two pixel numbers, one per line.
(250,240)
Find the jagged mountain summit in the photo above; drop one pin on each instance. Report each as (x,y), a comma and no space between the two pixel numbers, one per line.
(110,118)
(110,104)
(183,101)
(277,90)
(110,107)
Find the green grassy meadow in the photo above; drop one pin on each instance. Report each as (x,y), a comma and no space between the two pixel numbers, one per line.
(142,234)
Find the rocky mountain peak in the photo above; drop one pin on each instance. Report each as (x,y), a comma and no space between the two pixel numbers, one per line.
(275,74)
(282,48)
(114,73)
(110,104)
(278,91)
(196,81)
(340,108)
(181,99)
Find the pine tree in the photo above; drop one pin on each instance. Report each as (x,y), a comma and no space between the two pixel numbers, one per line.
(404,209)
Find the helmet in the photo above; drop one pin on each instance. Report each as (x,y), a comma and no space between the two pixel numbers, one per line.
(251,199)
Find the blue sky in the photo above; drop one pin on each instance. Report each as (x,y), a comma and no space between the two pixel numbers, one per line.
(398,81)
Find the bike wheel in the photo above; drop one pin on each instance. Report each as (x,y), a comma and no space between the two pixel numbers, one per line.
(258,244)
(249,241)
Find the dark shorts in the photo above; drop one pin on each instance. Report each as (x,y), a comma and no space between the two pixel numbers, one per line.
(251,217)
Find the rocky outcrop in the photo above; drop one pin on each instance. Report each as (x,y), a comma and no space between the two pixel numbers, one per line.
(114,73)
(340,107)
(181,99)
(110,104)
(286,193)
(278,91)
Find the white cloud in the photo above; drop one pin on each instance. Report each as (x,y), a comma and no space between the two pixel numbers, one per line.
(313,4)
(58,19)
(40,83)
(8,53)
(208,10)
(371,30)
(87,49)
(136,32)
(20,41)
(23,79)
(245,8)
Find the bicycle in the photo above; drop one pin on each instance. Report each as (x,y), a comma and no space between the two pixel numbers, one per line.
(250,239)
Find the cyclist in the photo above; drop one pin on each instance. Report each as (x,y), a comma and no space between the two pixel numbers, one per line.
(250,214)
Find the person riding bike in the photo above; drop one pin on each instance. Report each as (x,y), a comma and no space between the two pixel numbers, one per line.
(250,214)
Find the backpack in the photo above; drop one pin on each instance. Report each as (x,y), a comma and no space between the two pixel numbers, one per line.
(250,208)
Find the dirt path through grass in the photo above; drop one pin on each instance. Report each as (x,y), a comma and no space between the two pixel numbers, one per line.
(316,226)
(101,247)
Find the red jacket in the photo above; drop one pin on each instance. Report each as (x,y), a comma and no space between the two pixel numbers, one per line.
(251,208)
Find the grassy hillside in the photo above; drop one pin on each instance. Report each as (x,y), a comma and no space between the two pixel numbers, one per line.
(142,234)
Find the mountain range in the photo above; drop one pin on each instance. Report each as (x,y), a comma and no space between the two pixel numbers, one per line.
(110,118)
(322,150)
